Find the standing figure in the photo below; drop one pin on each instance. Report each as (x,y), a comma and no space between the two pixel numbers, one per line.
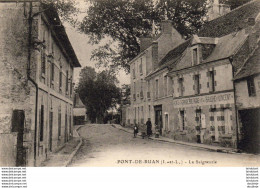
(135,130)
(149,127)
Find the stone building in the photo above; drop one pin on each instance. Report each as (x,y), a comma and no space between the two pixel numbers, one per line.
(191,89)
(79,111)
(152,51)
(37,62)
(247,87)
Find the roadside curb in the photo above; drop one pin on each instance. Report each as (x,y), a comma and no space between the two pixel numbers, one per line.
(77,148)
(232,151)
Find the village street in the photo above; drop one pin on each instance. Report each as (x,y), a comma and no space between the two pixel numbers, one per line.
(105,145)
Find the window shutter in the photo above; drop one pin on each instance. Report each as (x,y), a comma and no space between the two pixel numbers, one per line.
(214,72)
(200,86)
(183,89)
(215,83)
(207,84)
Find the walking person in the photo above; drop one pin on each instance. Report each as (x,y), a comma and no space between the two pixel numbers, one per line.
(149,127)
(135,130)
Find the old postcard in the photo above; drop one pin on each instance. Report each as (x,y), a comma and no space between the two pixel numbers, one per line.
(107,83)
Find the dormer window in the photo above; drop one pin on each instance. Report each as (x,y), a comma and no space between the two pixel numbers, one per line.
(195,56)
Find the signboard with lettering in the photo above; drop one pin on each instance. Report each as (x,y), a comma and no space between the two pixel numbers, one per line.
(222,98)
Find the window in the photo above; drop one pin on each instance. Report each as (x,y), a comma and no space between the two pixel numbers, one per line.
(41,122)
(71,86)
(134,90)
(52,72)
(66,127)
(211,83)
(165,85)
(67,81)
(166,122)
(141,92)
(60,81)
(43,62)
(148,90)
(182,120)
(156,89)
(181,87)
(251,86)
(52,48)
(195,56)
(59,123)
(43,56)
(170,86)
(197,84)
(198,117)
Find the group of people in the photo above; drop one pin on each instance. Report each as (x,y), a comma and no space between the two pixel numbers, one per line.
(148,128)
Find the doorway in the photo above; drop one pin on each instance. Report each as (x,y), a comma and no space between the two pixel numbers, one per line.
(158,117)
(250,130)
(50,131)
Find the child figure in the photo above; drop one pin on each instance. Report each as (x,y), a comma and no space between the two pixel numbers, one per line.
(135,130)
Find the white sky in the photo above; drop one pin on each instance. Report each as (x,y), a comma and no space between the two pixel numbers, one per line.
(83,49)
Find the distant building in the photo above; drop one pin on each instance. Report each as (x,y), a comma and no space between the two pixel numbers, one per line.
(247,87)
(79,111)
(186,87)
(37,62)
(216,9)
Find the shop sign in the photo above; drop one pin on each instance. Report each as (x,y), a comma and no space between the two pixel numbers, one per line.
(226,98)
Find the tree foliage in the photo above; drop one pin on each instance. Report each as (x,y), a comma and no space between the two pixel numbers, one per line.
(98,92)
(125,21)
(117,25)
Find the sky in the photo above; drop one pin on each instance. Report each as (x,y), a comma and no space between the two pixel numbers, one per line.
(83,50)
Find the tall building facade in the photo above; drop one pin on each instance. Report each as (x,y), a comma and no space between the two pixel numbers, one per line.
(37,62)
(192,95)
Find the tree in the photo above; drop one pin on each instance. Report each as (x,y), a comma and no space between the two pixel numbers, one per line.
(125,21)
(98,92)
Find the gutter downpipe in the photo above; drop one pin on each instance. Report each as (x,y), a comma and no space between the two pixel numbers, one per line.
(30,21)
(235,102)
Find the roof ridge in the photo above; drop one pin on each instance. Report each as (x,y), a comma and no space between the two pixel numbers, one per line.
(250,55)
(252,1)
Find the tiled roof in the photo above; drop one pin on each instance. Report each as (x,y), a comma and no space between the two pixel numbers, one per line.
(227,46)
(54,19)
(171,57)
(230,22)
(175,53)
(251,67)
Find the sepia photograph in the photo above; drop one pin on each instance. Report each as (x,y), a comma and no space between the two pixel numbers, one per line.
(129,83)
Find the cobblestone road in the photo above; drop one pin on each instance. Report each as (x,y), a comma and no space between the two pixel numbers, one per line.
(104,145)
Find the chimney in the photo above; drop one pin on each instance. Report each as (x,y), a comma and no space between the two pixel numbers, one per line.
(145,42)
(166,27)
(155,55)
(216,10)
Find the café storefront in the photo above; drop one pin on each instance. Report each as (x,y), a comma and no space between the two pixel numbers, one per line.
(208,119)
